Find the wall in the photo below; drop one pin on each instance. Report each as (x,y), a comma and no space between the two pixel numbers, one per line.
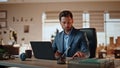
(28,11)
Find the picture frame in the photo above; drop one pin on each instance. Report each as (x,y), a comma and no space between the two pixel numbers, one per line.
(3,24)
(26,28)
(3,14)
(3,18)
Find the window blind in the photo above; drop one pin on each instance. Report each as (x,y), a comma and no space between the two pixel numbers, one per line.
(97,20)
(53,16)
(114,14)
(78,19)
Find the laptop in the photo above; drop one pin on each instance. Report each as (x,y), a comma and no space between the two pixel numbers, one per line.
(42,50)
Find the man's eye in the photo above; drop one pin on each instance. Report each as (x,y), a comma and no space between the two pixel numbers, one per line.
(64,22)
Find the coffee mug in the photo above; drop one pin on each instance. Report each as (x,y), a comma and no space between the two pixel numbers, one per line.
(28,53)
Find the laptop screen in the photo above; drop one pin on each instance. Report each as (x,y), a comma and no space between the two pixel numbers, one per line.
(42,50)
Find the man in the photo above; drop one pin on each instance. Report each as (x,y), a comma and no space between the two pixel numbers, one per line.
(70,42)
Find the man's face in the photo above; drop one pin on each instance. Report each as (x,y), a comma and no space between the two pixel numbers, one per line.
(66,23)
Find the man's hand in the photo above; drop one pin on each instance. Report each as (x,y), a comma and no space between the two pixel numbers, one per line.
(57,54)
(78,54)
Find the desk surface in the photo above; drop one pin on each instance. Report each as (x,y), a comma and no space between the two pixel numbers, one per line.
(32,63)
(40,63)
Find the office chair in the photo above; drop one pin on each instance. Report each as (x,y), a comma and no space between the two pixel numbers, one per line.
(92,38)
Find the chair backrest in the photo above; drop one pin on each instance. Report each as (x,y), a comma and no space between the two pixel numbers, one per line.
(92,38)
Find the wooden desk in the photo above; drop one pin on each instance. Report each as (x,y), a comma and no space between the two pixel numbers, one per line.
(40,63)
(32,63)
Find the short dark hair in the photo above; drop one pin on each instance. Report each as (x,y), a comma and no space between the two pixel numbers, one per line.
(65,13)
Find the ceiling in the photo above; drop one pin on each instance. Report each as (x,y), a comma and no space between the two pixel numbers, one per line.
(46,1)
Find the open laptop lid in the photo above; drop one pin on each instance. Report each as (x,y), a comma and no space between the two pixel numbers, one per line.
(42,50)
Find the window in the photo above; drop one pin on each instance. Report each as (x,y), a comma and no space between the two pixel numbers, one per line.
(106,23)
(50,25)
(112,26)
(86,20)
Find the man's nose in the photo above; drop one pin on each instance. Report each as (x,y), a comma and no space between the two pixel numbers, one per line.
(66,24)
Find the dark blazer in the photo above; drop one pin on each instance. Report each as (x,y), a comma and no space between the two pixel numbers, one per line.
(77,42)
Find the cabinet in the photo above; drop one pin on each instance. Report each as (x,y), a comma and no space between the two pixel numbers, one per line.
(11,50)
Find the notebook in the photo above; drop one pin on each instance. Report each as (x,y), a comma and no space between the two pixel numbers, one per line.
(42,50)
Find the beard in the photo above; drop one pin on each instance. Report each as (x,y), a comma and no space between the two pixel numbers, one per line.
(67,30)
